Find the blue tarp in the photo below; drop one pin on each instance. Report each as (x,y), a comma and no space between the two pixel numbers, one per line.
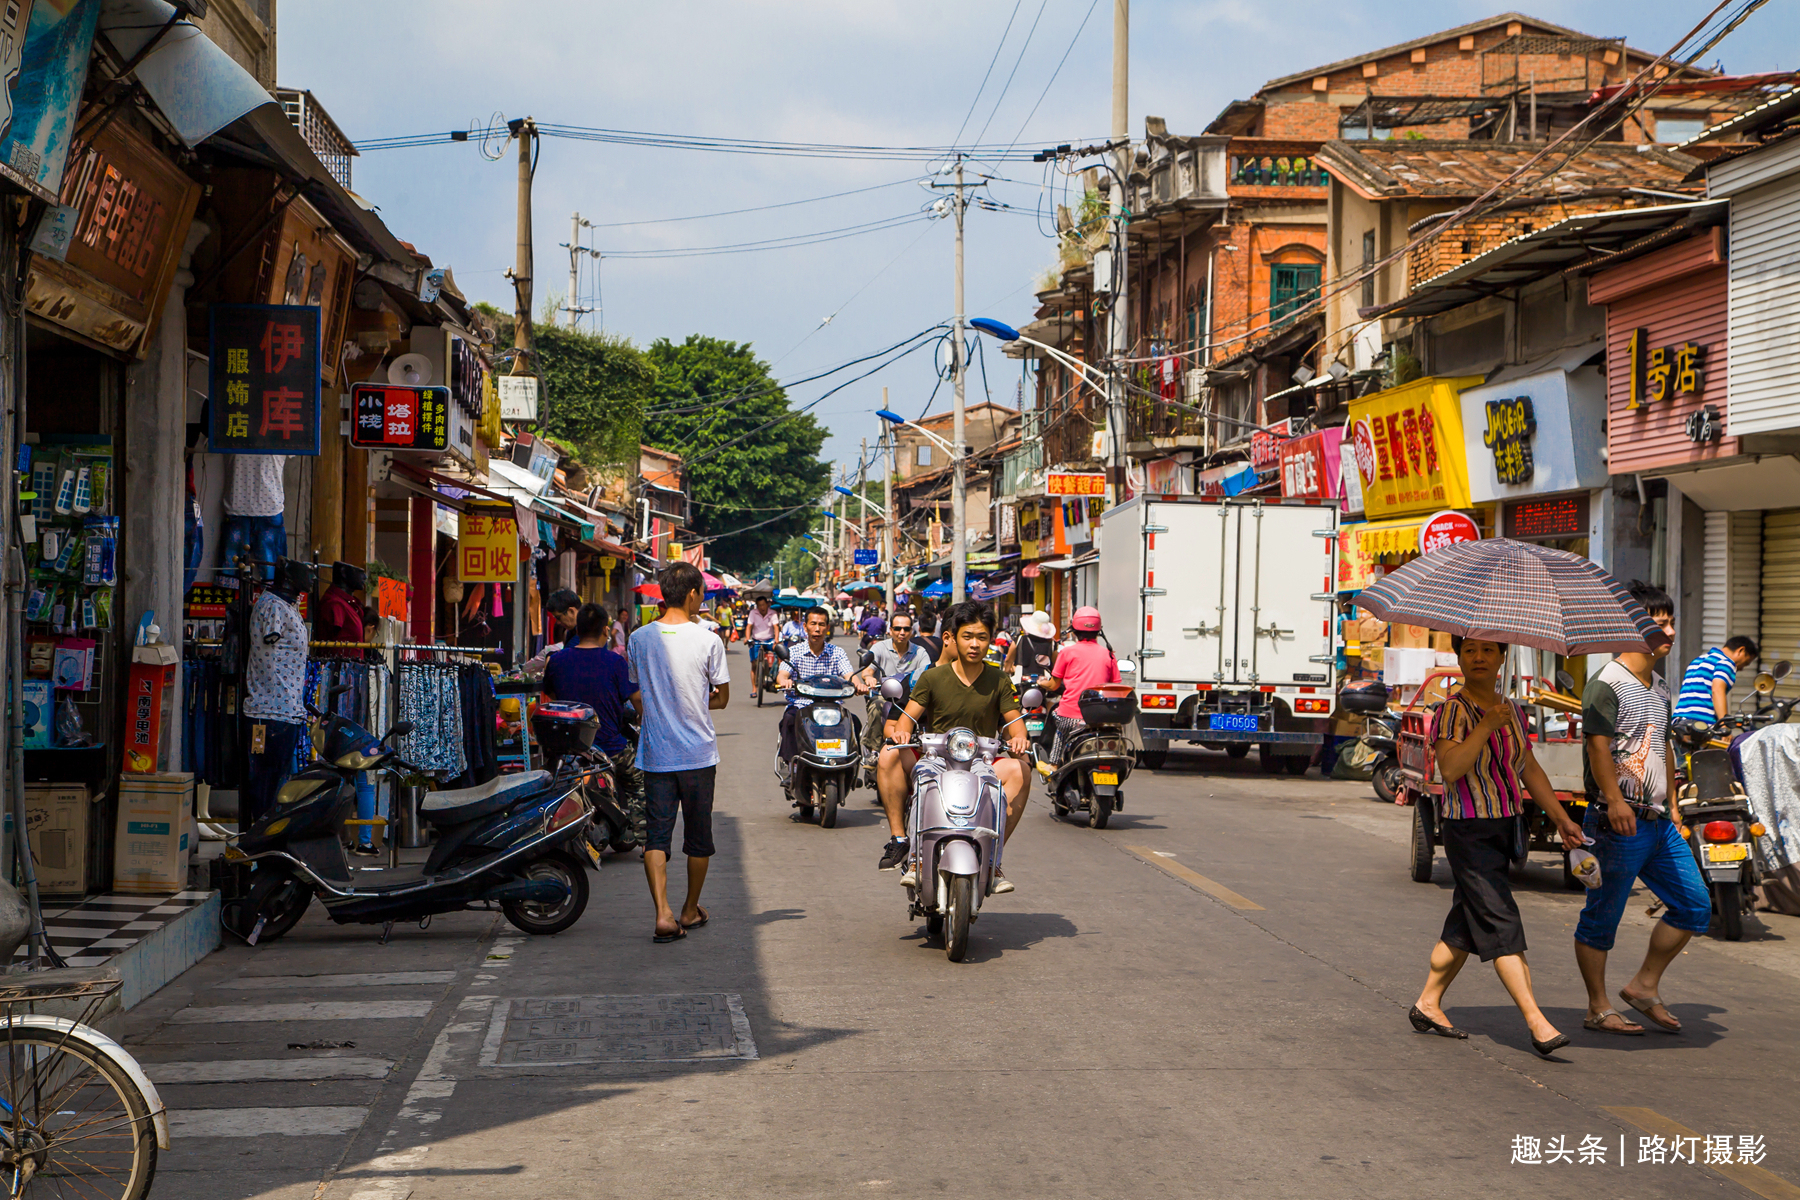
(938,590)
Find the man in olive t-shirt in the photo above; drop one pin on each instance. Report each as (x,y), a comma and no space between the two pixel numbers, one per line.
(967,692)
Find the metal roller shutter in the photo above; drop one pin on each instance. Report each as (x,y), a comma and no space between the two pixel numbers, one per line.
(1781,593)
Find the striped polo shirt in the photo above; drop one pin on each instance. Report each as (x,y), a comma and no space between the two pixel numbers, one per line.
(1492,787)
(1696,698)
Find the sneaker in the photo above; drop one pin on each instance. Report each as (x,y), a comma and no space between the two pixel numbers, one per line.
(1001,884)
(910,877)
(893,855)
(362,851)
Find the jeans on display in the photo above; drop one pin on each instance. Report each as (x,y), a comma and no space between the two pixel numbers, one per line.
(265,772)
(365,806)
(261,539)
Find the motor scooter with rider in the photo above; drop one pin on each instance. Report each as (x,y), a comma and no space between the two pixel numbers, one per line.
(1097,758)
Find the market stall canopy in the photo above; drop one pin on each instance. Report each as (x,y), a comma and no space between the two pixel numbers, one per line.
(713,583)
(762,587)
(938,590)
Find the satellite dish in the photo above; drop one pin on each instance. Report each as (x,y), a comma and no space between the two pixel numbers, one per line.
(411,370)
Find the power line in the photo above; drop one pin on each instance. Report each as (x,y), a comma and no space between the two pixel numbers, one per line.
(1042,5)
(791,242)
(758,208)
(698,142)
(976,99)
(1059,66)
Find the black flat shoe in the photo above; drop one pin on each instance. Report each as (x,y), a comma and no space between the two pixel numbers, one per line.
(1552,1046)
(1425,1024)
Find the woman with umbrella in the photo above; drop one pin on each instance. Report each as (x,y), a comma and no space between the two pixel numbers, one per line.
(1489,594)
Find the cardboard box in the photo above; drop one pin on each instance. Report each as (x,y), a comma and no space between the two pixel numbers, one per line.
(56,816)
(1409,637)
(1440,641)
(154,838)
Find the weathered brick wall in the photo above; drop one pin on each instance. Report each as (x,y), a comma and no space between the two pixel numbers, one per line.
(1474,238)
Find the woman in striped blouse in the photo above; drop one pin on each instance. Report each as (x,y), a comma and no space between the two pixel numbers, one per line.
(1488,772)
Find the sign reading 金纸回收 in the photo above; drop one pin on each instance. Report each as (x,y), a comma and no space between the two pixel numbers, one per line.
(264,379)
(487,546)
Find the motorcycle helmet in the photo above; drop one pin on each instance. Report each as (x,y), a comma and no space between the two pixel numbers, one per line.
(1086,619)
(294,578)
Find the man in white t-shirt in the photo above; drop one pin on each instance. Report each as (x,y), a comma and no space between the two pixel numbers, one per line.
(679,670)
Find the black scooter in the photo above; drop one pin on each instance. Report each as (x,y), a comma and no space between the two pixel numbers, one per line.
(511,842)
(827,748)
(1097,759)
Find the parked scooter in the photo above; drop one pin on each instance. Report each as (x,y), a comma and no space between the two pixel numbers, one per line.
(1097,759)
(512,842)
(1380,740)
(956,826)
(1040,727)
(566,728)
(827,748)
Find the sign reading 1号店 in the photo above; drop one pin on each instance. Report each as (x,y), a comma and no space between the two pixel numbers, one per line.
(264,389)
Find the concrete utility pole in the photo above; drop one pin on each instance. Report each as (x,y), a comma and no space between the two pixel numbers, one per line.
(527,135)
(862,503)
(843,530)
(573,304)
(1118,327)
(889,539)
(959,517)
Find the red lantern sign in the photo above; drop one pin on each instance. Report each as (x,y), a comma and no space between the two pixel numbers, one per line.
(1446,528)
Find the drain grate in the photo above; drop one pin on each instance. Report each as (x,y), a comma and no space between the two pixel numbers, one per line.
(544,1031)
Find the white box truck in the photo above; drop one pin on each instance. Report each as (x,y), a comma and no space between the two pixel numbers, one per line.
(1229,610)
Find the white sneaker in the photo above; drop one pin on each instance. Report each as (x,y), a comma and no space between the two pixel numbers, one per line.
(910,877)
(1001,884)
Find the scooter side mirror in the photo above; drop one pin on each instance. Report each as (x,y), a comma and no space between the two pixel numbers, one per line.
(1565,681)
(1127,667)
(867,659)
(1033,698)
(893,689)
(1781,669)
(1764,684)
(400,729)
(779,651)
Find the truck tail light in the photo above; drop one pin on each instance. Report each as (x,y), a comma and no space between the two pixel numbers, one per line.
(1155,701)
(1719,831)
(1312,706)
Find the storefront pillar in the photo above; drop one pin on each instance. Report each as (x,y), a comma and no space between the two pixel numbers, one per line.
(421,570)
(155,492)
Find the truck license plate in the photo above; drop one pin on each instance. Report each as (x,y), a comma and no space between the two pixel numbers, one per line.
(1736,852)
(1111,777)
(1241,721)
(831,749)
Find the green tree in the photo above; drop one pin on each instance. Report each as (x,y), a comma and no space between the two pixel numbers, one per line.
(595,389)
(747,454)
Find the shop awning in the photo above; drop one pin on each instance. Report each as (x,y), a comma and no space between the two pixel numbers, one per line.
(1056,564)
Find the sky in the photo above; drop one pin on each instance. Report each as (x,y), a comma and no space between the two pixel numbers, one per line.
(866,72)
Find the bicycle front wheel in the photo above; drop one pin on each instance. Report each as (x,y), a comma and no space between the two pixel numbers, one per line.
(75,1124)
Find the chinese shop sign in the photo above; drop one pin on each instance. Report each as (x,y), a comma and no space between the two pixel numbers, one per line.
(390,598)
(1075,483)
(264,379)
(1663,372)
(1511,424)
(487,546)
(1408,443)
(397,417)
(1311,466)
(44,50)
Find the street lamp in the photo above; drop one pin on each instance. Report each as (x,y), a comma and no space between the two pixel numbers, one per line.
(959,548)
(871,503)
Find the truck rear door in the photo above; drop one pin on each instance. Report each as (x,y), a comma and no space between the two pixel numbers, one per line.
(1190,592)
(1285,632)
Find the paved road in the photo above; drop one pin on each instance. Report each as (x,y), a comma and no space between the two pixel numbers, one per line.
(1207,999)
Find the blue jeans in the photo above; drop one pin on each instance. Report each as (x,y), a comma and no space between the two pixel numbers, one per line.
(261,539)
(1659,856)
(365,806)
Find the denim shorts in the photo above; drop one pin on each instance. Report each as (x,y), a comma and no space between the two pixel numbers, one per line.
(1659,856)
(691,794)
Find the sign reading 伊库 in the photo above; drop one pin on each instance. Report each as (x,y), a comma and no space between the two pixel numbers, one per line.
(264,379)
(400,417)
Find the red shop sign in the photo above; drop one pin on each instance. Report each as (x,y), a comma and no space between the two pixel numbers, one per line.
(1265,445)
(1446,528)
(1311,468)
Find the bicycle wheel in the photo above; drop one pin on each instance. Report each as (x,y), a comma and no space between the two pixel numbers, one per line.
(78,1125)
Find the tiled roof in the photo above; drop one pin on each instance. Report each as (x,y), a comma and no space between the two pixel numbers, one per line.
(1462,170)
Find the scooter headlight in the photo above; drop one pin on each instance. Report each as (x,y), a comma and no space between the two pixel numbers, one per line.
(825,717)
(962,745)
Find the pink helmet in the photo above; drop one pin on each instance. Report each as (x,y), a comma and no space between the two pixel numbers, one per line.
(1086,619)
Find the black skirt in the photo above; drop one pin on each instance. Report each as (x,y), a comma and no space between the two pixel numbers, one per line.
(1484,919)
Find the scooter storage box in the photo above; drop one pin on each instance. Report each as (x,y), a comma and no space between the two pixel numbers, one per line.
(563,727)
(1108,707)
(1364,698)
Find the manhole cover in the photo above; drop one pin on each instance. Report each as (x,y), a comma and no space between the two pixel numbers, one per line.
(550,1030)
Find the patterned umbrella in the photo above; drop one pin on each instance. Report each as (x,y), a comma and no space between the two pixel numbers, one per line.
(1506,591)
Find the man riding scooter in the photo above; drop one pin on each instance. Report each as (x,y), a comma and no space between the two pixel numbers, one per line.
(967,693)
(897,657)
(818,656)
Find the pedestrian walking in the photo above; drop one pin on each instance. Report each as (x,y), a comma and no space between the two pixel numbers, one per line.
(1637,832)
(680,673)
(1488,771)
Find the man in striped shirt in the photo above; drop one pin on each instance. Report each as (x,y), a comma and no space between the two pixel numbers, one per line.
(1708,682)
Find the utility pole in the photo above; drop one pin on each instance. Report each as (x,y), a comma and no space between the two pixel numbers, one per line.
(526,131)
(573,304)
(1118,327)
(889,539)
(862,502)
(959,517)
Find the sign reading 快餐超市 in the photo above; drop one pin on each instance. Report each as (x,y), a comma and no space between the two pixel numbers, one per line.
(1075,483)
(264,379)
(1408,447)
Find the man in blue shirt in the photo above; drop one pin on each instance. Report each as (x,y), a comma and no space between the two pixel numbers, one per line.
(592,674)
(1707,683)
(818,655)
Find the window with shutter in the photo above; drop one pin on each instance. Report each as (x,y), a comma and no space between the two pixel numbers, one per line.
(1290,286)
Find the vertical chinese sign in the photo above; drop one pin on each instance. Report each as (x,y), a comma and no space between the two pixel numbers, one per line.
(487,546)
(264,379)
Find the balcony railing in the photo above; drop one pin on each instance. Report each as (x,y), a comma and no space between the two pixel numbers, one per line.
(1276,170)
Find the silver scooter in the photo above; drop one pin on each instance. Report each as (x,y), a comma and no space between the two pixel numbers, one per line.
(957,826)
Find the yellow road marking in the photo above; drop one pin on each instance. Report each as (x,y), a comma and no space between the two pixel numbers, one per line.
(1755,1179)
(1198,880)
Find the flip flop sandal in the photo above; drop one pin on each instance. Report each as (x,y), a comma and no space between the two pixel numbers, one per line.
(1644,1006)
(1624,1029)
(704,918)
(680,932)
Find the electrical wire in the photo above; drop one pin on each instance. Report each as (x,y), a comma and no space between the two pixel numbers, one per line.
(791,242)
(706,403)
(1059,66)
(976,99)
(758,208)
(1004,88)
(698,142)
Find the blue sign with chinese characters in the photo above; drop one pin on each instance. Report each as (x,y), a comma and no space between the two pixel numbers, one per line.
(264,379)
(866,558)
